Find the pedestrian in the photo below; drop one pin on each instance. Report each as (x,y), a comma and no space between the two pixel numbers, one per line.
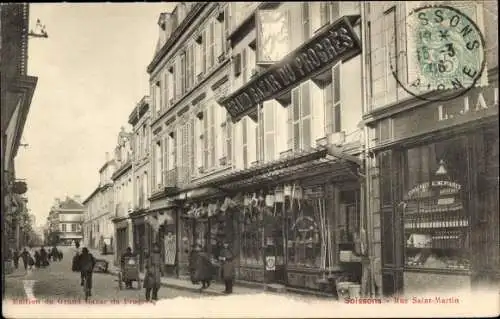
(44,257)
(60,255)
(15,257)
(152,279)
(54,253)
(37,259)
(226,258)
(25,256)
(127,254)
(86,263)
(202,268)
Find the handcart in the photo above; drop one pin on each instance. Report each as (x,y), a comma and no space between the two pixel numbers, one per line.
(129,272)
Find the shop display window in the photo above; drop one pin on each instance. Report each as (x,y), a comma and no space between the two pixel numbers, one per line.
(348,225)
(306,218)
(251,238)
(435,215)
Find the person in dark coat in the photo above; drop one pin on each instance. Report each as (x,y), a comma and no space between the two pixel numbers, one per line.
(44,257)
(37,259)
(54,254)
(152,279)
(25,256)
(201,267)
(226,257)
(86,263)
(127,253)
(15,257)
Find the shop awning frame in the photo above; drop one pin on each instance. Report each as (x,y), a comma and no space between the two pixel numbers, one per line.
(319,160)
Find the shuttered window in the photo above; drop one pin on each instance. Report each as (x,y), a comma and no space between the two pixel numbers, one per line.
(227,26)
(229,143)
(333,101)
(244,68)
(209,137)
(171,86)
(300,123)
(159,164)
(244,135)
(269,132)
(306,21)
(166,95)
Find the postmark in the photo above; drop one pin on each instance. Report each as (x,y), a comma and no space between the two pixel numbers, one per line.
(445,53)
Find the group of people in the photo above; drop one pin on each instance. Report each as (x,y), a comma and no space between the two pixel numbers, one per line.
(202,267)
(39,258)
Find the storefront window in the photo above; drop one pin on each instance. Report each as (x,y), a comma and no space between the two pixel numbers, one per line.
(306,220)
(435,215)
(251,238)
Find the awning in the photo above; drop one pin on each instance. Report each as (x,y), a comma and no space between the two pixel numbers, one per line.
(328,161)
(336,42)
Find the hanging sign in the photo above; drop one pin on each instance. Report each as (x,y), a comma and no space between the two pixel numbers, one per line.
(270,263)
(337,42)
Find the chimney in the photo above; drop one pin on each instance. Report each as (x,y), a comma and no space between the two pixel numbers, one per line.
(164,27)
(58,202)
(77,198)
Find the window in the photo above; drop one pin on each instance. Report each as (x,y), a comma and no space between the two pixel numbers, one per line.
(183,74)
(138,192)
(306,21)
(144,189)
(158,96)
(73,227)
(184,159)
(244,135)
(300,118)
(204,54)
(251,239)
(306,230)
(198,137)
(209,139)
(228,135)
(171,151)
(178,78)
(333,101)
(171,85)
(268,131)
(435,206)
(390,42)
(190,67)
(226,27)
(63,228)
(159,165)
(210,44)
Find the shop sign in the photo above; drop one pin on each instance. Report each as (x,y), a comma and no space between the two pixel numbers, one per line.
(270,263)
(336,42)
(421,188)
(477,104)
(467,106)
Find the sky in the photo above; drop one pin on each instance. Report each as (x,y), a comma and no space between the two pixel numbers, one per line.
(91,73)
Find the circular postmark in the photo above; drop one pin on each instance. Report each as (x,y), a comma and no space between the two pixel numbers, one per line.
(445,53)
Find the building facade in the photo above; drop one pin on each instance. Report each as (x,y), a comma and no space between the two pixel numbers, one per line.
(432,173)
(16,93)
(65,221)
(140,119)
(123,190)
(253,142)
(99,206)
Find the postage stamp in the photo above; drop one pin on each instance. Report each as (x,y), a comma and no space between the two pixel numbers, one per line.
(445,53)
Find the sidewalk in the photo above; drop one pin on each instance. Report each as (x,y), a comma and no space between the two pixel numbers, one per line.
(217,288)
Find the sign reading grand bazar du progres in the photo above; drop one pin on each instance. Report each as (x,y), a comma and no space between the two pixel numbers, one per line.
(336,42)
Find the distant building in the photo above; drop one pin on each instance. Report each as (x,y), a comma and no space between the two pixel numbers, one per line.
(99,210)
(65,221)
(123,190)
(140,118)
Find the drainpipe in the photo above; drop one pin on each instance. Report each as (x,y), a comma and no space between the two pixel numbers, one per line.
(367,171)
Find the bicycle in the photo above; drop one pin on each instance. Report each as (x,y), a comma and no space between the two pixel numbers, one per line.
(86,287)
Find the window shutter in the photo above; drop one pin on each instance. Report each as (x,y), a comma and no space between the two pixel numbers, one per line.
(226,28)
(213,138)
(324,10)
(191,147)
(244,65)
(295,120)
(205,138)
(269,127)
(306,22)
(337,97)
(166,166)
(237,65)
(244,135)
(204,51)
(328,96)
(305,115)
(229,137)
(166,97)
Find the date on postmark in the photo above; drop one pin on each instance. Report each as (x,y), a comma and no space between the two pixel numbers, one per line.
(445,53)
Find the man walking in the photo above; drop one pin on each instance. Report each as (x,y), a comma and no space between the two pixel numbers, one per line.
(86,265)
(15,256)
(128,253)
(25,256)
(227,268)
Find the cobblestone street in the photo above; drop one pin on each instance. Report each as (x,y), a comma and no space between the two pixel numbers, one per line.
(58,282)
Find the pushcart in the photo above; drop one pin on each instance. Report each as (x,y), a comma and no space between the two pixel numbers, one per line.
(129,272)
